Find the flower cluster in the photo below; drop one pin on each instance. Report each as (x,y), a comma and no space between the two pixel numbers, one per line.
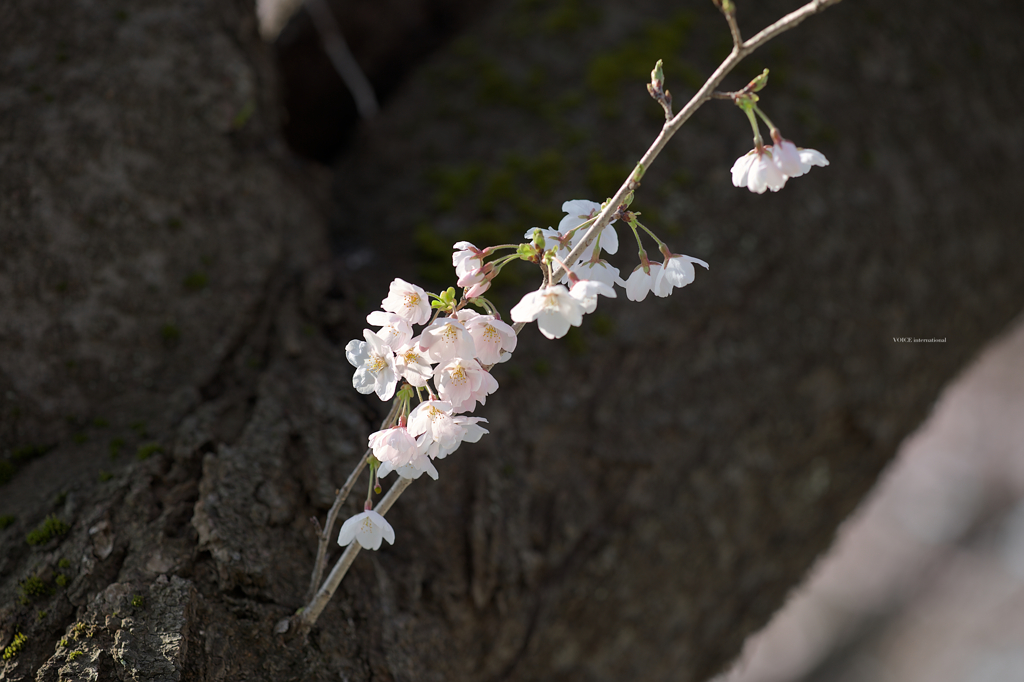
(449,359)
(769,167)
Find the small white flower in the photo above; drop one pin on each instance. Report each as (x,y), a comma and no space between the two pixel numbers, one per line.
(368,529)
(466,258)
(419,465)
(808,158)
(640,283)
(446,338)
(792,160)
(756,171)
(434,418)
(394,330)
(472,433)
(553,308)
(580,210)
(677,271)
(375,365)
(599,271)
(585,291)
(464,383)
(395,445)
(412,365)
(491,336)
(407,300)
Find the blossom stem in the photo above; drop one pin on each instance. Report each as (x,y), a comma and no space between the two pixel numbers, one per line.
(758,142)
(767,121)
(739,52)
(308,615)
(653,236)
(332,515)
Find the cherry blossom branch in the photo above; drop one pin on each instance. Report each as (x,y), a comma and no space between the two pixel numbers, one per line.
(332,515)
(672,126)
(308,615)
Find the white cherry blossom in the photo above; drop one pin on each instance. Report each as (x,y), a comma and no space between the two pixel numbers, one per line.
(494,340)
(407,300)
(420,464)
(412,365)
(792,160)
(580,210)
(640,283)
(677,271)
(553,309)
(466,258)
(464,383)
(446,338)
(599,271)
(472,433)
(434,417)
(375,365)
(585,291)
(394,330)
(368,529)
(395,445)
(756,171)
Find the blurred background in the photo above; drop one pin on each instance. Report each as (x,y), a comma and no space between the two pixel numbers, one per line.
(925,582)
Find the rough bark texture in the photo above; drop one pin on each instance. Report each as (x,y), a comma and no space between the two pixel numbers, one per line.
(174,312)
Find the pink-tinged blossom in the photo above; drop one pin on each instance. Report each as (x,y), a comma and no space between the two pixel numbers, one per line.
(586,291)
(792,160)
(434,418)
(640,283)
(553,309)
(375,365)
(446,338)
(472,433)
(407,300)
(368,529)
(419,465)
(395,445)
(466,259)
(394,330)
(464,383)
(492,338)
(757,171)
(412,365)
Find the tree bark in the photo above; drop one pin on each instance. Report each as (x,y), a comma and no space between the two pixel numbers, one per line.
(177,294)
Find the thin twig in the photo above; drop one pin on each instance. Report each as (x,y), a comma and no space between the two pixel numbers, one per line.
(332,515)
(309,614)
(671,127)
(341,58)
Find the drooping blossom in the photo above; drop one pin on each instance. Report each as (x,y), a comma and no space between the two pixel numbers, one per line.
(419,465)
(677,271)
(407,300)
(375,365)
(640,283)
(466,258)
(395,445)
(446,338)
(394,330)
(464,383)
(553,309)
(792,160)
(599,271)
(756,170)
(586,291)
(368,529)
